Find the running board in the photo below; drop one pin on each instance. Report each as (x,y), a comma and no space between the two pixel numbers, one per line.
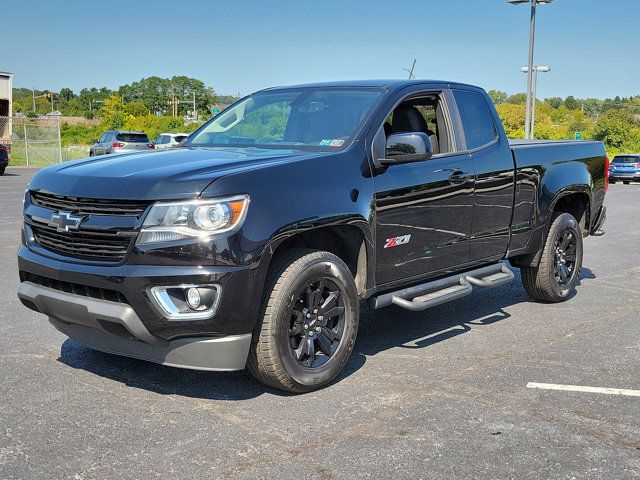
(446,289)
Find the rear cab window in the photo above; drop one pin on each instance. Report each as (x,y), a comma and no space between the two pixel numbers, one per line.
(477,120)
(626,159)
(132,137)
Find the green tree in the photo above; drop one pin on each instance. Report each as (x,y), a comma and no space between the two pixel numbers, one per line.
(614,128)
(114,114)
(571,103)
(137,109)
(518,99)
(498,96)
(553,102)
(66,94)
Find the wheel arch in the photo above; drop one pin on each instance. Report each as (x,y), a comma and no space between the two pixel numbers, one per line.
(573,199)
(348,238)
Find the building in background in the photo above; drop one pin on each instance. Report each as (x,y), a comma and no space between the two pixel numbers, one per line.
(6,96)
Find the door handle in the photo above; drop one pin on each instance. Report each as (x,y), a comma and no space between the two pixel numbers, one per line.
(458,177)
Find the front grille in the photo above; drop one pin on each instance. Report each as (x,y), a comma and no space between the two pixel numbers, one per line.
(84,244)
(76,288)
(89,206)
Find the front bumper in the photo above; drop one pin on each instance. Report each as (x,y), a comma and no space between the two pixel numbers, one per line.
(114,327)
(129,285)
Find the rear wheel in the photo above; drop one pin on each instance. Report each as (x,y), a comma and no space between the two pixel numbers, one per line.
(556,276)
(309,322)
(2,170)
(626,182)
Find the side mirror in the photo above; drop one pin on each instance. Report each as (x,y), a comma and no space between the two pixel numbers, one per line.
(407,147)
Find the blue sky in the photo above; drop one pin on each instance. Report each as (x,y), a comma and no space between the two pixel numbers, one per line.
(236,46)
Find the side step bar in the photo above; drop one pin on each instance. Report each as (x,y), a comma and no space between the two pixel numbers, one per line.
(446,289)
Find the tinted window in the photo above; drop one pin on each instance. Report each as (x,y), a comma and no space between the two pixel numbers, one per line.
(477,120)
(133,137)
(626,160)
(179,138)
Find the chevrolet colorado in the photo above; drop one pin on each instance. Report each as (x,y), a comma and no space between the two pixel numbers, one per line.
(254,242)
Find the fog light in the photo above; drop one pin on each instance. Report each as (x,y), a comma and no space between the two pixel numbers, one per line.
(193,298)
(186,302)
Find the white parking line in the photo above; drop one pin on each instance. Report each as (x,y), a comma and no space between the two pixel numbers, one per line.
(579,388)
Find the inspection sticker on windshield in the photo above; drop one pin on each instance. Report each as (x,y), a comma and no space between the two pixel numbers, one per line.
(331,143)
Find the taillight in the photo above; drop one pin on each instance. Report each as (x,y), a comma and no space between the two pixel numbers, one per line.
(151,145)
(606,173)
(117,145)
(637,165)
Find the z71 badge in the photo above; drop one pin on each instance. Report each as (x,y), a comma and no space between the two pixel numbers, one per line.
(395,241)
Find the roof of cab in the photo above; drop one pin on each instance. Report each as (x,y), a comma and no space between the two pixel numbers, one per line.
(387,84)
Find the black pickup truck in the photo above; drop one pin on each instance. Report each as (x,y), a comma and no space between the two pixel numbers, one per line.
(253,244)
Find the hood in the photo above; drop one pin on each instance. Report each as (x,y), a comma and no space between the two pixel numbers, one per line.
(162,175)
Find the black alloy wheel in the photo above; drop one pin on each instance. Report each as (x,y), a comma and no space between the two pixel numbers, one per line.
(317,323)
(565,258)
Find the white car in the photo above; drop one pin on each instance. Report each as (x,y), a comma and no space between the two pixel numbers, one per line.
(168,140)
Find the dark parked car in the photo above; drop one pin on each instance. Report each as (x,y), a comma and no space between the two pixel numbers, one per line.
(4,158)
(119,141)
(625,168)
(253,244)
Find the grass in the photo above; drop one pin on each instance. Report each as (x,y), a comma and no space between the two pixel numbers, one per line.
(43,156)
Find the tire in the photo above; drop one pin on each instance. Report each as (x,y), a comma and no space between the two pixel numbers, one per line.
(285,335)
(612,181)
(626,182)
(2,171)
(90,153)
(547,282)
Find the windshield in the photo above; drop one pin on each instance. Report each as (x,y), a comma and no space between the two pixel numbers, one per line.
(325,118)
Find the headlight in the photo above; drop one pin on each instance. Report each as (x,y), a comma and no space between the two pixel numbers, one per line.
(173,221)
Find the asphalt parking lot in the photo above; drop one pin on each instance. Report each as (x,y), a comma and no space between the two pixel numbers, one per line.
(440,394)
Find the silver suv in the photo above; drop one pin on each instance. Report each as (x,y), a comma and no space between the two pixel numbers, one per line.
(120,141)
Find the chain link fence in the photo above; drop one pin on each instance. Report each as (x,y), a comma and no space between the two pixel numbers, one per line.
(36,142)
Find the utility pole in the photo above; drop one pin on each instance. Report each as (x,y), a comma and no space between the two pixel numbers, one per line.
(195,114)
(33,96)
(413,65)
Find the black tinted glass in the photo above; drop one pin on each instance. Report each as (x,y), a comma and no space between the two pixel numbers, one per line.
(626,160)
(132,137)
(477,121)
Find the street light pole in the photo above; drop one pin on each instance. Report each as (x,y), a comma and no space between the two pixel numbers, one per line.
(532,39)
(530,73)
(536,70)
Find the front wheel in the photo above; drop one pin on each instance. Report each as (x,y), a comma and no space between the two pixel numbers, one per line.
(626,182)
(308,324)
(556,276)
(2,171)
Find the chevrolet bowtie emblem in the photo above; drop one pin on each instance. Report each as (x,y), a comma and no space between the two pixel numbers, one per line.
(64,221)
